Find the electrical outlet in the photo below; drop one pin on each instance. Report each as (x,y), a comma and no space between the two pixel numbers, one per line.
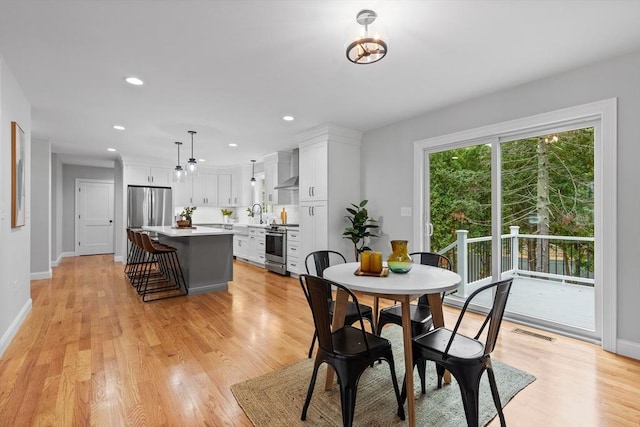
(405,211)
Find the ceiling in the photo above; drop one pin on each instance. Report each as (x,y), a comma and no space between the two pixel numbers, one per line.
(231,70)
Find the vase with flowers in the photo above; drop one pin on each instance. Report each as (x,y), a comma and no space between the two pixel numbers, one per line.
(226,214)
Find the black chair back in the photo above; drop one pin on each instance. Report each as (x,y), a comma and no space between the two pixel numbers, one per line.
(432,258)
(317,290)
(493,318)
(322,260)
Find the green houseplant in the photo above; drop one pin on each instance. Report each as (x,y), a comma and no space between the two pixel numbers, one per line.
(186,213)
(360,227)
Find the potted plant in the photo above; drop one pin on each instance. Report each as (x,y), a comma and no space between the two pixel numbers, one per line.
(186,213)
(358,232)
(226,213)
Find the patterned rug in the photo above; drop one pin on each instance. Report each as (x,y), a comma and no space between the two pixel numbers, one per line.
(276,399)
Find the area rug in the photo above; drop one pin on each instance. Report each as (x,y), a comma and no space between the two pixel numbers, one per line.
(276,399)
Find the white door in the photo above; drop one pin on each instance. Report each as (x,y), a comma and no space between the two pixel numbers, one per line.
(94,217)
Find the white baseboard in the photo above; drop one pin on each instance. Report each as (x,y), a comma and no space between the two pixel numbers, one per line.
(628,348)
(117,258)
(14,327)
(62,255)
(41,275)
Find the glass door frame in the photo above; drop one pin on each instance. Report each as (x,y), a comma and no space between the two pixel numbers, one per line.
(604,113)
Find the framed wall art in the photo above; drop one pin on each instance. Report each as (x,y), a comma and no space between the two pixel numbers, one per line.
(18,196)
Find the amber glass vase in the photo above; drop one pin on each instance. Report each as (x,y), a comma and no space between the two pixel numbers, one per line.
(399,261)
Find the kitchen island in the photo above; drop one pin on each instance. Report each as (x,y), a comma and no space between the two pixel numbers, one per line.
(205,254)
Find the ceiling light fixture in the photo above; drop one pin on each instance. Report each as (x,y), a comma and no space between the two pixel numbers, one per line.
(178,171)
(366,49)
(192,164)
(253,172)
(118,127)
(134,81)
(111,149)
(288,118)
(233,145)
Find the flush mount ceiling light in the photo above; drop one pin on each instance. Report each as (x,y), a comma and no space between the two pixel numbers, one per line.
(178,171)
(253,170)
(288,118)
(118,127)
(192,164)
(134,81)
(111,149)
(233,144)
(366,49)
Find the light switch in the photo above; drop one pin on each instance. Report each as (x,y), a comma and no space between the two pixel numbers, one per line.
(405,211)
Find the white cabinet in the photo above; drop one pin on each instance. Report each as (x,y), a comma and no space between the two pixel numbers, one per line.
(329,183)
(241,186)
(241,246)
(314,226)
(224,190)
(277,168)
(294,263)
(205,190)
(182,192)
(314,171)
(145,175)
(257,244)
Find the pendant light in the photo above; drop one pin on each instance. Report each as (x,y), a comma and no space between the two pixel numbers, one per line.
(366,49)
(192,164)
(178,171)
(253,170)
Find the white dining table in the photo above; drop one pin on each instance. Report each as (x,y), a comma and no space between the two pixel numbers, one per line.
(421,280)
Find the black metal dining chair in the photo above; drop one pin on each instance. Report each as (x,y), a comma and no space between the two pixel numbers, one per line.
(466,358)
(321,261)
(348,350)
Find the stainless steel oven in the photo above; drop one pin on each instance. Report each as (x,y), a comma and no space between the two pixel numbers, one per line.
(276,250)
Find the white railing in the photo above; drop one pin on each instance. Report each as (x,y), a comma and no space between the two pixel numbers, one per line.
(573,256)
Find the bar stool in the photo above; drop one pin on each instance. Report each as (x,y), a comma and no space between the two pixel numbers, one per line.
(163,271)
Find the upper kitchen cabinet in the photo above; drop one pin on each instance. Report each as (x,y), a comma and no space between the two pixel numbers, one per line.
(240,186)
(205,189)
(277,168)
(224,189)
(314,170)
(145,175)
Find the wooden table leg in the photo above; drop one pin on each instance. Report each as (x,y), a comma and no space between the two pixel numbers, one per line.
(376,312)
(435,303)
(339,312)
(408,359)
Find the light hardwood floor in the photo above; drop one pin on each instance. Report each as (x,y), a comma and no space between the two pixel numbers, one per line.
(91,353)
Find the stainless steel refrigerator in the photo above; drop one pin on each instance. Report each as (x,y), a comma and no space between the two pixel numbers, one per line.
(149,206)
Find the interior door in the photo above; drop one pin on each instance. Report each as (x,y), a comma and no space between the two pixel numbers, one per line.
(94,217)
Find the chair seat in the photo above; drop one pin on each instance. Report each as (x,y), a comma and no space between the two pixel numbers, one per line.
(348,341)
(462,347)
(419,313)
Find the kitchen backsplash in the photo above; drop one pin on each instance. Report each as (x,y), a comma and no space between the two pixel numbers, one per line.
(213,215)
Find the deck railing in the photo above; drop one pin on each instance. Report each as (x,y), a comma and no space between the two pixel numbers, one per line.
(567,259)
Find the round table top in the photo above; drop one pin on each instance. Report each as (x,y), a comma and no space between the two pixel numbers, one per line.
(422,279)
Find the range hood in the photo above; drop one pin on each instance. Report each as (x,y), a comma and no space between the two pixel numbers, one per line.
(288,184)
(291,183)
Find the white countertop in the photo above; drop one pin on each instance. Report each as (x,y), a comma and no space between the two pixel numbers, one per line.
(188,232)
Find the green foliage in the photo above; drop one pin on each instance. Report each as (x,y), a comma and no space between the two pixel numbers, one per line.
(187,211)
(226,212)
(360,227)
(460,183)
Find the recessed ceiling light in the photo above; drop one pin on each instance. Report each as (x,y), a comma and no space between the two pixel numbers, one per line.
(233,145)
(118,127)
(134,81)
(111,149)
(201,160)
(288,118)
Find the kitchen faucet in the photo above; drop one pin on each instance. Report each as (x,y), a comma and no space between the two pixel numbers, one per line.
(252,210)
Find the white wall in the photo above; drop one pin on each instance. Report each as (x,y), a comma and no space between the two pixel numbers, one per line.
(56,209)
(15,296)
(387,159)
(40,209)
